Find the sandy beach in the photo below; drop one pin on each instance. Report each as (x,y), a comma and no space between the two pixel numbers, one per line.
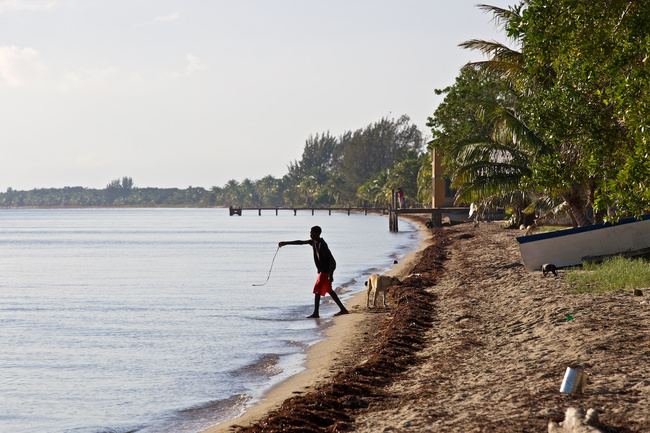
(470,342)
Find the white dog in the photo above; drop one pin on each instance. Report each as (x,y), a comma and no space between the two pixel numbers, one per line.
(379,284)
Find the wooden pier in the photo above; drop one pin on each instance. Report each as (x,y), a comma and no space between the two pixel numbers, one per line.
(237,210)
(393,214)
(436,214)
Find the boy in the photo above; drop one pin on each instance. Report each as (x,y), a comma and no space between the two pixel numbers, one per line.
(325,264)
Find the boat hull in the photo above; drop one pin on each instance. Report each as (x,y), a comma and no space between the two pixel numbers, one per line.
(571,247)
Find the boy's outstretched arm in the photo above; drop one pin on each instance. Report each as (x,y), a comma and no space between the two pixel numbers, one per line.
(281,244)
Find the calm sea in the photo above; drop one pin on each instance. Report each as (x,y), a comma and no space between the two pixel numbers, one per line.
(123,320)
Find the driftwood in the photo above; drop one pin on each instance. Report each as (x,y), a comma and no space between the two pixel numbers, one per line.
(576,421)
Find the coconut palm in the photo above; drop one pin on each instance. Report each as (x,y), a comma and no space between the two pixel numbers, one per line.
(376,191)
(505,62)
(499,165)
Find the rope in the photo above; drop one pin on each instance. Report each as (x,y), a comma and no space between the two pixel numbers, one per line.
(269,275)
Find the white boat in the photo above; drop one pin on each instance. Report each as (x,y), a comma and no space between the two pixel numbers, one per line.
(571,247)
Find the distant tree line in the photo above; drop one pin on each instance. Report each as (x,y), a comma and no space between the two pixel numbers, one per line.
(356,168)
(110,196)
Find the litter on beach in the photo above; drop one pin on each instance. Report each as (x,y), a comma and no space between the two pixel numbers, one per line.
(574,381)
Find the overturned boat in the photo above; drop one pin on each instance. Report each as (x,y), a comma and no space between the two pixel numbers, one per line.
(629,237)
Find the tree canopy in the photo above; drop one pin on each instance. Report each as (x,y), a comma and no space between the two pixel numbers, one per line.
(561,118)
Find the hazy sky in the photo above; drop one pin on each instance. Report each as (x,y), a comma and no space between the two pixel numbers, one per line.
(178,93)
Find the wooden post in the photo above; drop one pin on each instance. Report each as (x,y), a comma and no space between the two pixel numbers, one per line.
(436,218)
(393,226)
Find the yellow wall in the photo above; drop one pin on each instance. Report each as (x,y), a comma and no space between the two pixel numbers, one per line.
(440,199)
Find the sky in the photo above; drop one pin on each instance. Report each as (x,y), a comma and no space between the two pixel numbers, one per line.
(179,93)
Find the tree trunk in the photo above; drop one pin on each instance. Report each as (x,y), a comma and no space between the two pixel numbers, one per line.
(591,202)
(574,222)
(520,218)
(576,204)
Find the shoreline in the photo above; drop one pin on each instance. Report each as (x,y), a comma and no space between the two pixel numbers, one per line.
(341,347)
(475,342)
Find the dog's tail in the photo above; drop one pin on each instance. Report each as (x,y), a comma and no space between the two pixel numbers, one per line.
(366,283)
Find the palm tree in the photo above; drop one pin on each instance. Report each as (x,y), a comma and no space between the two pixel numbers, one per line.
(494,167)
(376,191)
(268,190)
(506,63)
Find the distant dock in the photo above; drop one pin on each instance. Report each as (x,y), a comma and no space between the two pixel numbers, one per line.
(237,210)
(454,213)
(436,214)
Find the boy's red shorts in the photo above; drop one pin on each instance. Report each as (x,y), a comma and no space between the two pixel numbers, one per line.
(323,285)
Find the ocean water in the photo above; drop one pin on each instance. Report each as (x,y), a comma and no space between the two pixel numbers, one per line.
(150,320)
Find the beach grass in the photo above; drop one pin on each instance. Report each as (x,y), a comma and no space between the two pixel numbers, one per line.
(618,273)
(550,228)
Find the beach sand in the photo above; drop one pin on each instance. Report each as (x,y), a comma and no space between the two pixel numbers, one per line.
(471,342)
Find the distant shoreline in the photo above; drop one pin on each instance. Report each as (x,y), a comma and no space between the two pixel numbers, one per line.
(116,207)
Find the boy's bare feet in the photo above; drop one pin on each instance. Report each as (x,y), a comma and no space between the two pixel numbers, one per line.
(313,316)
(342,312)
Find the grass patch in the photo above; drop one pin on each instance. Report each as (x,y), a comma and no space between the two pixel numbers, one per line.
(544,229)
(618,273)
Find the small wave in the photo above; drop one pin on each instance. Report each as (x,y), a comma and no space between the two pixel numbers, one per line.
(233,404)
(341,290)
(352,282)
(267,366)
(300,344)
(104,430)
(275,319)
(200,417)
(373,270)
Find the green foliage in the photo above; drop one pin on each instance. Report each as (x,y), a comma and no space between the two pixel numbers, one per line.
(404,175)
(585,66)
(117,190)
(82,197)
(353,169)
(376,192)
(565,117)
(424,177)
(485,147)
(457,118)
(319,153)
(619,273)
(377,147)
